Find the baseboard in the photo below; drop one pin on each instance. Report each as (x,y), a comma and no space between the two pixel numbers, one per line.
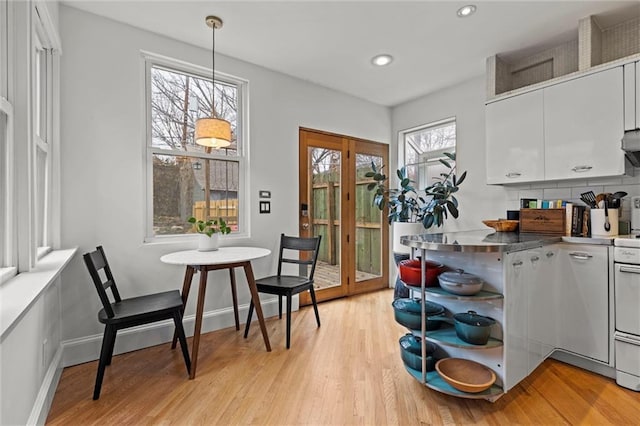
(585,363)
(43,401)
(85,349)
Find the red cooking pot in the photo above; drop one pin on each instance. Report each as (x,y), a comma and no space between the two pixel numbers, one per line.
(410,272)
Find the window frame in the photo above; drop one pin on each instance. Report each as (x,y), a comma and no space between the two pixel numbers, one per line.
(424,158)
(150,60)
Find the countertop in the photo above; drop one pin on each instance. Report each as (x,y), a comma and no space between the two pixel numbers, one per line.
(490,241)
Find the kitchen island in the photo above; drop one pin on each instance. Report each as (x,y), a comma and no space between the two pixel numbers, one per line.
(547,294)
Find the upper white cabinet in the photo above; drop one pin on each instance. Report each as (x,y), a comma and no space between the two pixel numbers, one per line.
(568,130)
(515,139)
(583,126)
(632,96)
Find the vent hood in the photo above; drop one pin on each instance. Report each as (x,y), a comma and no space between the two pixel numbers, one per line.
(631,146)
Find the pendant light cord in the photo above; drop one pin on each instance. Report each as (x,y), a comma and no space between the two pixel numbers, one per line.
(213,71)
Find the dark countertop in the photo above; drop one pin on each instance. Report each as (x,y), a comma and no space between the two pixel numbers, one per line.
(489,241)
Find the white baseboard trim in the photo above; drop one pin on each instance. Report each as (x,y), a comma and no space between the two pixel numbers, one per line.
(43,401)
(85,349)
(585,363)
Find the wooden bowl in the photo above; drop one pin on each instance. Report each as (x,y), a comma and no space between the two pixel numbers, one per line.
(502,225)
(465,375)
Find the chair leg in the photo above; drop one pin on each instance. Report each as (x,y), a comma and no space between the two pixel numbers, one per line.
(112,343)
(248,324)
(315,304)
(289,297)
(177,319)
(107,347)
(279,306)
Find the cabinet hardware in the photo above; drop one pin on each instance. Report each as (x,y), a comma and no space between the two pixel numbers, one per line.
(550,254)
(535,258)
(630,269)
(513,174)
(581,169)
(518,263)
(580,256)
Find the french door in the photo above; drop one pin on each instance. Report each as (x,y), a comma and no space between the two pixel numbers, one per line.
(336,204)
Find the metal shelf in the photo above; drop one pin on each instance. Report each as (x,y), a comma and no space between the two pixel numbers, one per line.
(447,336)
(439,292)
(435,382)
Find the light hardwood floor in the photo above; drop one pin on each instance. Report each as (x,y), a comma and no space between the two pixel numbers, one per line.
(346,372)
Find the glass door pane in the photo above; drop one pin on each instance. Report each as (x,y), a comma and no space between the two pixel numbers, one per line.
(324,176)
(369,222)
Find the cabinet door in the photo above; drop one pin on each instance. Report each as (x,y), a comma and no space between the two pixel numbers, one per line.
(583,126)
(631,96)
(543,304)
(516,345)
(514,132)
(583,300)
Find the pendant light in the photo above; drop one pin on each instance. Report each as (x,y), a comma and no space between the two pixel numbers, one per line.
(213,132)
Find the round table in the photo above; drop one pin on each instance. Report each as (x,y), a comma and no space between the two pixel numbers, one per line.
(205,261)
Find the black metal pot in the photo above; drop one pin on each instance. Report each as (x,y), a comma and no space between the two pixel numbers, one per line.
(408,312)
(473,328)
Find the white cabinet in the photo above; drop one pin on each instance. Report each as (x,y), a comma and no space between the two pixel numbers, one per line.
(582,317)
(632,96)
(583,126)
(543,305)
(571,129)
(515,139)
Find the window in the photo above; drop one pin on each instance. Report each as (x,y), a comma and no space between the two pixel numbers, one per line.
(186,179)
(424,147)
(42,116)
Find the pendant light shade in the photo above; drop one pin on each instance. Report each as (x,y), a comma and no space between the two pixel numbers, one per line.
(211,131)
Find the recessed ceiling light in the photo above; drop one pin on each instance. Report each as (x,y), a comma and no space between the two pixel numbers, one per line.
(467,10)
(382,60)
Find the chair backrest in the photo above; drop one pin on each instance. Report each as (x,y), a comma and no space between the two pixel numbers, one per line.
(306,245)
(95,261)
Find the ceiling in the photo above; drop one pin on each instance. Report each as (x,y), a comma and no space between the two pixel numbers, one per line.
(331,43)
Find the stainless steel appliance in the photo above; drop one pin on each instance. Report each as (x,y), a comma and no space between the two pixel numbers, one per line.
(627,304)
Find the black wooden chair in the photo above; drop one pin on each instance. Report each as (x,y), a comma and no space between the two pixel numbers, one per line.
(288,285)
(125,313)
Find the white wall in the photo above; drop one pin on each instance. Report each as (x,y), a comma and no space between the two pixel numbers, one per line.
(102,133)
(465,102)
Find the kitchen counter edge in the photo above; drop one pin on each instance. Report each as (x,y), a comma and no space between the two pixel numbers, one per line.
(489,241)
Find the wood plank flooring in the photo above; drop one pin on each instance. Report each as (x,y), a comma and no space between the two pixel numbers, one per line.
(347,372)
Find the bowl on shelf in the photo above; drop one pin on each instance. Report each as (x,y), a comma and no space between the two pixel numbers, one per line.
(411,350)
(460,282)
(408,312)
(410,272)
(465,375)
(502,225)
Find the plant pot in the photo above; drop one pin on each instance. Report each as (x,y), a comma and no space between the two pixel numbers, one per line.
(206,243)
(400,229)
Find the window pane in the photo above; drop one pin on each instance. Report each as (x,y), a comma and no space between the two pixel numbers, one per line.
(41,197)
(178,100)
(430,138)
(184,186)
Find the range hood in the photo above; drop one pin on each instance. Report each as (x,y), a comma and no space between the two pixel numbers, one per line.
(631,146)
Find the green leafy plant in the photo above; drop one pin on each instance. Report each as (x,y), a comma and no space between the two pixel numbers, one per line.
(210,226)
(432,206)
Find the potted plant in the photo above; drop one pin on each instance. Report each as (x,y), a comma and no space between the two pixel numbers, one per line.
(412,211)
(406,204)
(209,230)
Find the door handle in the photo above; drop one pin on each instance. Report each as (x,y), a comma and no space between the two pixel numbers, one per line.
(513,174)
(630,269)
(581,169)
(580,256)
(305,225)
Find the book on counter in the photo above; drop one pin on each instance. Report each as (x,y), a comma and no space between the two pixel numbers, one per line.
(578,221)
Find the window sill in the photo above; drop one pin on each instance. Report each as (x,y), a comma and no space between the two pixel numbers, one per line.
(21,291)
